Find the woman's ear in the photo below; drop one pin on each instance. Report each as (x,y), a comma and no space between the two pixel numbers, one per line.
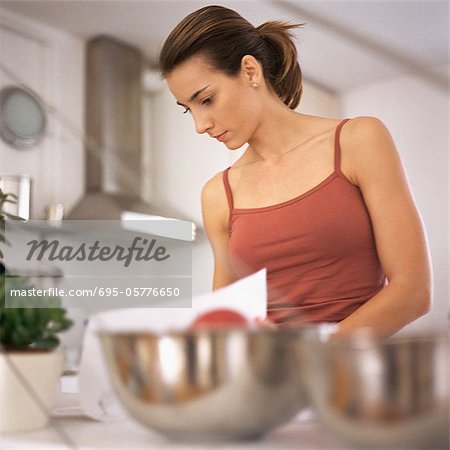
(251,70)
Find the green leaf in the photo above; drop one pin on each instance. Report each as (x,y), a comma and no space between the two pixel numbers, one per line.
(21,337)
(48,343)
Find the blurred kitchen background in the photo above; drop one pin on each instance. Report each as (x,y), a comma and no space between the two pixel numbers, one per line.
(388,59)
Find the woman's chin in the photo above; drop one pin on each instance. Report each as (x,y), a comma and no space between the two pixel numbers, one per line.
(233,146)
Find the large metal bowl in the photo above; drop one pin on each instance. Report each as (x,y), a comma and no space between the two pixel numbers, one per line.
(208,385)
(380,394)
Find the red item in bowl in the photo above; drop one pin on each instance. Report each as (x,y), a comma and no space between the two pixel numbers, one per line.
(220,318)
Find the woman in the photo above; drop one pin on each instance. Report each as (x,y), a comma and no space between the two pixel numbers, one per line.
(324,204)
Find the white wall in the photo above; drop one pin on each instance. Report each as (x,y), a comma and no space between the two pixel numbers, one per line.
(318,101)
(51,63)
(417,115)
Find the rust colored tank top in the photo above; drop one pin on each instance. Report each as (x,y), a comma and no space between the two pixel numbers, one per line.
(318,248)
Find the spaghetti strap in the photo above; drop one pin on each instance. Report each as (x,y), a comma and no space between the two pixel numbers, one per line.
(228,188)
(337,147)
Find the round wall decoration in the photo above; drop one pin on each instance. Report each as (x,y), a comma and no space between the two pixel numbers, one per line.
(22,117)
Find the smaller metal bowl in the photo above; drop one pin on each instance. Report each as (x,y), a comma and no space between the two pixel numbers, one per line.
(381,394)
(208,385)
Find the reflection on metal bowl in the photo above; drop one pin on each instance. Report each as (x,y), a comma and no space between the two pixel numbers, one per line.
(208,385)
(382,394)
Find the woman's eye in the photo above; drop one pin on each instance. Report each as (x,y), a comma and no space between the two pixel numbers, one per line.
(207,101)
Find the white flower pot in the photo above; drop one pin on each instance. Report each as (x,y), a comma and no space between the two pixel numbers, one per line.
(20,410)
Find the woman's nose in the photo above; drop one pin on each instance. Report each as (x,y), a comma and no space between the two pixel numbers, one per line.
(202,124)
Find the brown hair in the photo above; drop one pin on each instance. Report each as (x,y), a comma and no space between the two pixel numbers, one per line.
(224,37)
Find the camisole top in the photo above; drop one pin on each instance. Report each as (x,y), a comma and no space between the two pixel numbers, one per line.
(318,248)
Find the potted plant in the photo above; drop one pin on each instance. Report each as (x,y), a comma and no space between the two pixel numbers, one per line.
(29,369)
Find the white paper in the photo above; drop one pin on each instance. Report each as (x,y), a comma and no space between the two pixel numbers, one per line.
(247,296)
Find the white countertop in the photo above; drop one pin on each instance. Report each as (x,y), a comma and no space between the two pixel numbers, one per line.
(70,429)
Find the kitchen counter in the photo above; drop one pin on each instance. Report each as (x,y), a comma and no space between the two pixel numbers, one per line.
(70,429)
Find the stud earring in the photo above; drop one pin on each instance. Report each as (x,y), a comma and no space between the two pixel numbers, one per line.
(254,84)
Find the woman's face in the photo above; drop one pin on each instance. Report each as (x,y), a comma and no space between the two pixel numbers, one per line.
(222,106)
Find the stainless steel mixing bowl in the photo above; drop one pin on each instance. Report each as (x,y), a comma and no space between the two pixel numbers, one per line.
(208,385)
(382,394)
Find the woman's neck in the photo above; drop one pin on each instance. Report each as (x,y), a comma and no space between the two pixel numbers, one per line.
(280,130)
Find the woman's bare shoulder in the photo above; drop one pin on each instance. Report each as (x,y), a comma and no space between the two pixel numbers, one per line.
(214,188)
(366,143)
(360,124)
(360,131)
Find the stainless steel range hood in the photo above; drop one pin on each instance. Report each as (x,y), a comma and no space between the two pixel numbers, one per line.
(114,138)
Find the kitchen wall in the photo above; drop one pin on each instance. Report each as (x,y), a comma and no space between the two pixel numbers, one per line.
(51,62)
(417,115)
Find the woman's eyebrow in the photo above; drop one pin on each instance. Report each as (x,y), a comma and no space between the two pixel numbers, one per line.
(195,95)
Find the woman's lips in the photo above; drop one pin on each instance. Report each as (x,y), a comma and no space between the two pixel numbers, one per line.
(221,137)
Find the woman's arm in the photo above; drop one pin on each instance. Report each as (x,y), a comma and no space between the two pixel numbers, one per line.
(399,234)
(215,220)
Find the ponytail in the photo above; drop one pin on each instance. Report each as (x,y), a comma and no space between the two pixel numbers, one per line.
(282,69)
